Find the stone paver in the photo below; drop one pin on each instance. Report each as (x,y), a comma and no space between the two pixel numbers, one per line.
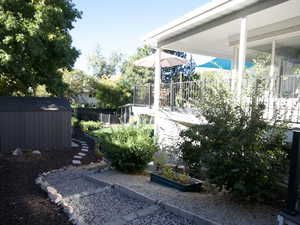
(76,162)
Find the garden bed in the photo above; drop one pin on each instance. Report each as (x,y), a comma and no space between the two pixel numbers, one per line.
(194,186)
(22,202)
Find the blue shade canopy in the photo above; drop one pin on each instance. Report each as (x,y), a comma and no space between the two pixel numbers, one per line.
(224,64)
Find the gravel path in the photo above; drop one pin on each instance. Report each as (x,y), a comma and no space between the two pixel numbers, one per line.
(70,182)
(98,204)
(216,207)
(160,217)
(102,207)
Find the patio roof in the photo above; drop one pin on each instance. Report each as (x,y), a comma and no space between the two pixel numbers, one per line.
(214,28)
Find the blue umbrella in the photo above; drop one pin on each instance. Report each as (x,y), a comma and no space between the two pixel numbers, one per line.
(224,64)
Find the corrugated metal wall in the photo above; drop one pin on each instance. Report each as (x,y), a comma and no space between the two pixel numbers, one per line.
(35,130)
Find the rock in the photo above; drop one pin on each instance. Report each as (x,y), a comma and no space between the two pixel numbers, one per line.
(74,145)
(76,162)
(38,180)
(68,209)
(36,152)
(51,190)
(17,152)
(84,150)
(81,154)
(77,157)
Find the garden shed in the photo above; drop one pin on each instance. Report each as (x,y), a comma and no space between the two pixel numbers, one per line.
(35,123)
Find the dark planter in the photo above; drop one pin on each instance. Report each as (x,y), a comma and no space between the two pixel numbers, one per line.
(195,186)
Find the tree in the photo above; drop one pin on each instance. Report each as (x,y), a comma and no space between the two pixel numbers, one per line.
(174,73)
(78,82)
(111,93)
(102,66)
(35,44)
(133,75)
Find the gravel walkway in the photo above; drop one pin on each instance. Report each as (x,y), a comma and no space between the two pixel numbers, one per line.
(160,217)
(216,207)
(100,208)
(70,182)
(99,204)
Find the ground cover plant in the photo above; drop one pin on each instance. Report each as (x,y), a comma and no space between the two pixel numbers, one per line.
(240,150)
(90,125)
(129,148)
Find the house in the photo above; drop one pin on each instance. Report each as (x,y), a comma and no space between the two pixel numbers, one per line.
(86,98)
(239,30)
(243,31)
(35,123)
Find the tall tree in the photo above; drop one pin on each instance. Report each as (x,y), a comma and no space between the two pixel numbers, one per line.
(102,66)
(78,82)
(134,75)
(35,44)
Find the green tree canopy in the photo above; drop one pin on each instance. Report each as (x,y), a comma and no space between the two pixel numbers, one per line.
(78,82)
(111,94)
(34,44)
(134,75)
(102,66)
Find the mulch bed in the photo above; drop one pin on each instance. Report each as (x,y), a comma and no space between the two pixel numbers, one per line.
(23,202)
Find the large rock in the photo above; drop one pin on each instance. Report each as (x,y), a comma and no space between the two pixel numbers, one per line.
(36,152)
(17,152)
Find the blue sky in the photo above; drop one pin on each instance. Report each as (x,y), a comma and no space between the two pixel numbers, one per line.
(119,25)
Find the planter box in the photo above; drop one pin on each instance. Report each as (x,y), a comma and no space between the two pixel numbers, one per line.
(193,187)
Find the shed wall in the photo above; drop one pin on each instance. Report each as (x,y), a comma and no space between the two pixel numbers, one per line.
(35,130)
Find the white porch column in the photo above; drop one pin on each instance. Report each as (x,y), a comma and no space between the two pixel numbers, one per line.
(272,68)
(234,67)
(242,54)
(157,90)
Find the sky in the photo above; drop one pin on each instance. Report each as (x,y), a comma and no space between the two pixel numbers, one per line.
(119,25)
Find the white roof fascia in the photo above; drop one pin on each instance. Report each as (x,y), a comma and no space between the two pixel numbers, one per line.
(202,15)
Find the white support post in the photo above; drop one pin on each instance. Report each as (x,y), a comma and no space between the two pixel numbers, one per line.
(272,68)
(242,55)
(234,67)
(157,90)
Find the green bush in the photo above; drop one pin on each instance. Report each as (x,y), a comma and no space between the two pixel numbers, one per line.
(129,148)
(90,125)
(239,149)
(74,120)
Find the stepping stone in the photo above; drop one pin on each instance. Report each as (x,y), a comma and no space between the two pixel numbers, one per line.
(77,157)
(81,154)
(76,162)
(84,150)
(74,145)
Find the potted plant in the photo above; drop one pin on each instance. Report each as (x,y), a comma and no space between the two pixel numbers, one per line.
(181,181)
(160,159)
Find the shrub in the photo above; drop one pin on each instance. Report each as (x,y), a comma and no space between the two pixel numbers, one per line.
(239,149)
(90,125)
(74,120)
(129,148)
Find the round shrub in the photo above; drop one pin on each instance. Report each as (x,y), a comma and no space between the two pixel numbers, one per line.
(129,148)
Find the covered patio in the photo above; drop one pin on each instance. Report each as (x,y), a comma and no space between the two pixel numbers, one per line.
(242,31)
